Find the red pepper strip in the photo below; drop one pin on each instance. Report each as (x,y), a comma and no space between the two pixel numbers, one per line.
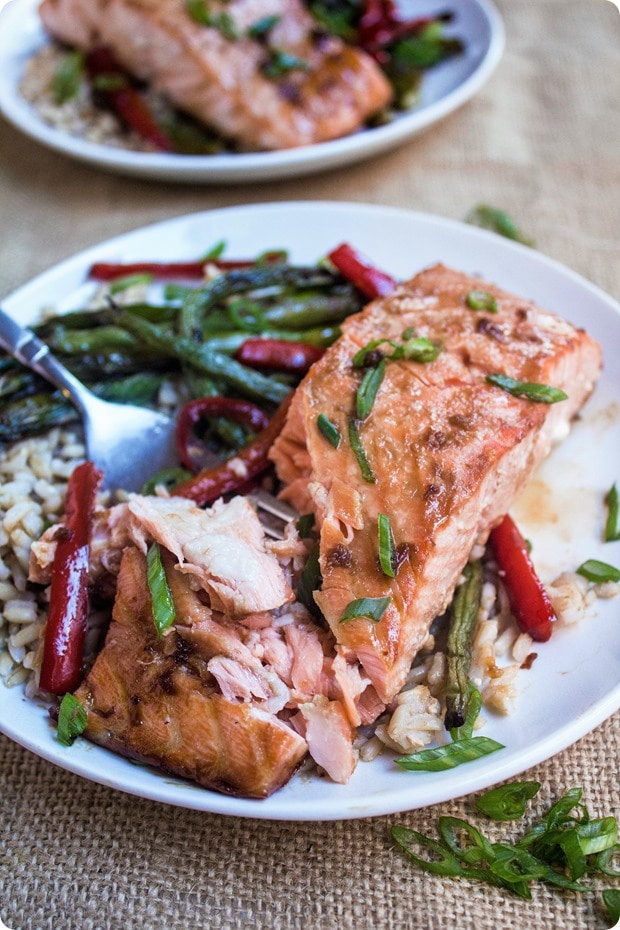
(372,282)
(63,650)
(241,411)
(380,25)
(126,102)
(109,271)
(528,599)
(278,355)
(212,483)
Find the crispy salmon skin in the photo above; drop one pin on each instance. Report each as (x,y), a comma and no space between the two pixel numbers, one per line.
(447,450)
(259,72)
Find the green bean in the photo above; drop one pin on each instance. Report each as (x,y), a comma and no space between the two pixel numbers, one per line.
(116,364)
(463,618)
(80,341)
(257,277)
(228,343)
(33,414)
(200,385)
(19,382)
(90,319)
(311,309)
(248,382)
(25,416)
(141,389)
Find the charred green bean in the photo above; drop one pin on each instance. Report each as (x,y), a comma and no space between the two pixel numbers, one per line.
(463,618)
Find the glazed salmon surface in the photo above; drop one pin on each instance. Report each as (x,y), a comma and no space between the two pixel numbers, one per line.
(240,86)
(155,700)
(243,685)
(448,452)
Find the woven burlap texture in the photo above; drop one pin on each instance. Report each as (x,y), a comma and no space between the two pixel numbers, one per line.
(541,140)
(78,856)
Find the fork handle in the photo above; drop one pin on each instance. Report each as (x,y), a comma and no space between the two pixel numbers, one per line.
(28,349)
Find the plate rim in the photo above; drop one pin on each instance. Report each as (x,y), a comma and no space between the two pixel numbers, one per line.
(278,806)
(247,167)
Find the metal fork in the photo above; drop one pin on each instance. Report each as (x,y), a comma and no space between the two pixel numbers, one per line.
(273,514)
(128,443)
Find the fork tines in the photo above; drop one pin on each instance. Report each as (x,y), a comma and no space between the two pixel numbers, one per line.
(273,514)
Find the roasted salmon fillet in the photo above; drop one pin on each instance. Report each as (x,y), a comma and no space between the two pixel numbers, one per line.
(157,701)
(244,684)
(259,72)
(446,452)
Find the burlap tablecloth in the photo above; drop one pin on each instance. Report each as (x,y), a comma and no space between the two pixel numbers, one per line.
(542,141)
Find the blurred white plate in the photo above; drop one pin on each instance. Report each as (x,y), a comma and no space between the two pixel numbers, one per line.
(444,88)
(574,683)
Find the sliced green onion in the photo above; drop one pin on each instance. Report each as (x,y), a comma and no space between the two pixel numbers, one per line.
(417,349)
(359,359)
(167,477)
(387,549)
(329,430)
(482,300)
(359,453)
(66,80)
(280,63)
(216,251)
(508,802)
(367,391)
(130,280)
(263,26)
(164,613)
(72,720)
(611,899)
(558,849)
(597,835)
(612,524)
(372,608)
(414,349)
(557,815)
(453,830)
(598,572)
(540,393)
(310,581)
(498,221)
(305,525)
(604,861)
(514,865)
(568,842)
(443,861)
(223,22)
(449,756)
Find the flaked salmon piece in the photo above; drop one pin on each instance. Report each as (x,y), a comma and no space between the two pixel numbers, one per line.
(144,696)
(448,451)
(328,733)
(113,530)
(155,700)
(292,86)
(280,669)
(222,547)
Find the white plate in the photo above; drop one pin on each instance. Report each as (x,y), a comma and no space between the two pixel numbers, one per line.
(444,89)
(573,684)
